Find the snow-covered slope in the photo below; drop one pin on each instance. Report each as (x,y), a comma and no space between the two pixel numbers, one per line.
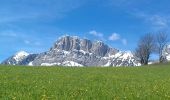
(71,63)
(121,58)
(65,63)
(20,55)
(20,58)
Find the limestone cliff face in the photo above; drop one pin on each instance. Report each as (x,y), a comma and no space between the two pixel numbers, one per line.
(68,43)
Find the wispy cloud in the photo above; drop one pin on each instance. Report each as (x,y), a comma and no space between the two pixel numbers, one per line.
(20,38)
(21,20)
(114,37)
(97,34)
(27,42)
(33,43)
(156,22)
(129,4)
(22,10)
(160,22)
(154,15)
(117,37)
(121,2)
(8,34)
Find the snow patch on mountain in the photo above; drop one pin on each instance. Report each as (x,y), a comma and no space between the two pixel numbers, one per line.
(20,58)
(66,52)
(166,52)
(121,54)
(71,63)
(122,58)
(49,64)
(65,63)
(30,64)
(168,57)
(20,55)
(108,63)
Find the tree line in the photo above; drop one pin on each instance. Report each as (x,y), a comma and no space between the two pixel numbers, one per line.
(150,43)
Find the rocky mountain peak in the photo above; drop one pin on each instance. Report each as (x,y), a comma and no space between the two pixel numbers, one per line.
(71,43)
(67,43)
(99,48)
(86,45)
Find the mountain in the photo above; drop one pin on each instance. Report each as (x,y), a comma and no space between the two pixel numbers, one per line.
(166,52)
(74,51)
(20,58)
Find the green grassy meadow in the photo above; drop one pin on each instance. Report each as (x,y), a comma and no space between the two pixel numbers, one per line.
(88,83)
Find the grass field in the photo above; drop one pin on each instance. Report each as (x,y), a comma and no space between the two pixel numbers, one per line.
(61,83)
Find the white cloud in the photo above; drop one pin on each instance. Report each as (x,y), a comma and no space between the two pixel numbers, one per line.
(95,33)
(114,37)
(117,37)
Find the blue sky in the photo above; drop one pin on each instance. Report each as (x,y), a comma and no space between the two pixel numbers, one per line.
(34,25)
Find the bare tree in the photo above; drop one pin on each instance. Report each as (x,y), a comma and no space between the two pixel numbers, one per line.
(146,46)
(139,54)
(162,40)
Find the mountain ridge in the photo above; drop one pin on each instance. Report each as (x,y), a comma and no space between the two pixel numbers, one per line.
(74,51)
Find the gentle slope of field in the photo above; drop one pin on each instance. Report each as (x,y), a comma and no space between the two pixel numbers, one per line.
(60,83)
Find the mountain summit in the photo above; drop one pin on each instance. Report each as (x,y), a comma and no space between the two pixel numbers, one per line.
(74,51)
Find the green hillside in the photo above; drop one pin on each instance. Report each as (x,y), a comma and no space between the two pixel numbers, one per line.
(94,83)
